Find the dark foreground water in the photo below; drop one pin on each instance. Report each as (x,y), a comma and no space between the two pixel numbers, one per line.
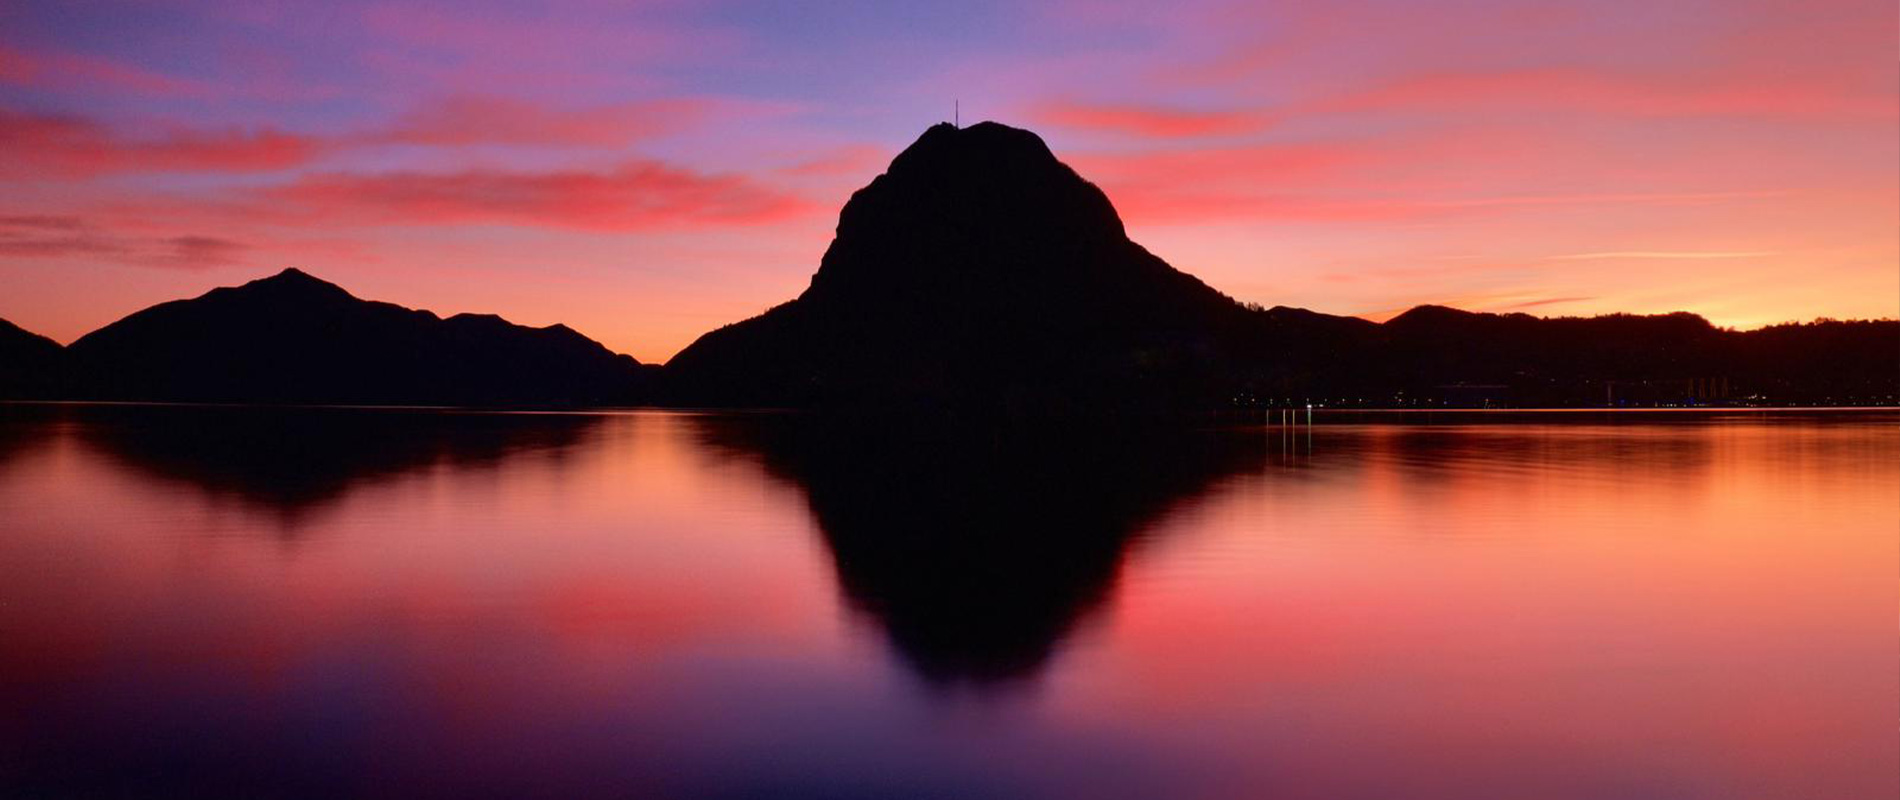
(259,603)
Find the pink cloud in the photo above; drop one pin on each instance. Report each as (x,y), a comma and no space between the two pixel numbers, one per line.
(860,161)
(466,119)
(70,146)
(1152,122)
(1547,301)
(60,237)
(1599,92)
(1213,184)
(41,146)
(636,195)
(78,71)
(1210,163)
(1371,179)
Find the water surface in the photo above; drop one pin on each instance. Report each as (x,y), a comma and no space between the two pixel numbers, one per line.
(389,603)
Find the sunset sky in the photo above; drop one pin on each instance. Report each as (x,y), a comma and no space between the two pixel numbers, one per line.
(645,172)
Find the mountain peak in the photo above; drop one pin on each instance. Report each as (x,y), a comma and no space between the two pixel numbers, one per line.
(294,280)
(1429,313)
(972,214)
(991,142)
(292,337)
(948,156)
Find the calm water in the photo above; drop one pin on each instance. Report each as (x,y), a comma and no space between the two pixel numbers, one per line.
(385,603)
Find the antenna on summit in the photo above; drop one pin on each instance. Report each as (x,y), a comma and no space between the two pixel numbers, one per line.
(956,114)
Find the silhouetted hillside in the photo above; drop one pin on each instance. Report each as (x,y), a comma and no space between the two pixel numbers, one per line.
(978,270)
(1825,361)
(29,363)
(1433,355)
(293,338)
(980,273)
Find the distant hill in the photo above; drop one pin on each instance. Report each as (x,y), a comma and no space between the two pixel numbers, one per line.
(292,338)
(29,363)
(1438,355)
(979,272)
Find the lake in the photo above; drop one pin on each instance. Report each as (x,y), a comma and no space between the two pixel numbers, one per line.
(392,603)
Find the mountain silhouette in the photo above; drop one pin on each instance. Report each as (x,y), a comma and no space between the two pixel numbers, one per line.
(1518,359)
(976,269)
(980,273)
(30,364)
(292,338)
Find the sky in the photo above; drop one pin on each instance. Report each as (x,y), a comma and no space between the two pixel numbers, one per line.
(648,171)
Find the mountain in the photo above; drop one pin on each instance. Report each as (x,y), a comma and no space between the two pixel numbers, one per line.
(1435,355)
(977,270)
(29,363)
(292,338)
(1444,354)
(981,273)
(1822,362)
(1438,341)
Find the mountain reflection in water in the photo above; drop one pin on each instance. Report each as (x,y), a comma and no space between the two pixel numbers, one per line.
(295,462)
(980,550)
(202,601)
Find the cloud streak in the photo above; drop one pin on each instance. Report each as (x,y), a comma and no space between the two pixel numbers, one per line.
(1152,122)
(61,146)
(1573,91)
(67,70)
(1548,301)
(473,120)
(636,195)
(1664,254)
(70,237)
(65,146)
